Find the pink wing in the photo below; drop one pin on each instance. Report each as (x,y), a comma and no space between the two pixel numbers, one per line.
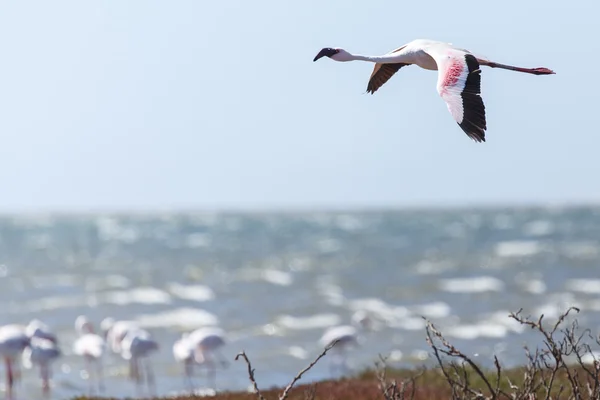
(459,84)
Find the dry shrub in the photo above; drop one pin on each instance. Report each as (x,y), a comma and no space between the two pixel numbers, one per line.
(553,371)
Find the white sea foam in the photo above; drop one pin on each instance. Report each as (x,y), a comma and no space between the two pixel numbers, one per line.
(277,277)
(591,286)
(437,309)
(502,318)
(191,292)
(196,240)
(379,309)
(557,304)
(431,267)
(474,331)
(110,229)
(476,284)
(581,250)
(408,324)
(332,293)
(271,330)
(538,228)
(298,352)
(518,248)
(185,318)
(535,286)
(142,295)
(317,321)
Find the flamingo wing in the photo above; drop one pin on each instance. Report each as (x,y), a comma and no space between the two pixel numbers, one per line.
(459,85)
(383,72)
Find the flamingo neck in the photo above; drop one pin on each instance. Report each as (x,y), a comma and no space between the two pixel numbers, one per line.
(387,59)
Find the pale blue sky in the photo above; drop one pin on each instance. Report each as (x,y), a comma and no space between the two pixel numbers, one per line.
(196,104)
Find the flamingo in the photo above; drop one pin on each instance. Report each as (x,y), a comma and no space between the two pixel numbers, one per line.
(347,337)
(13,340)
(90,346)
(40,330)
(115,331)
(206,343)
(42,352)
(137,345)
(183,352)
(459,76)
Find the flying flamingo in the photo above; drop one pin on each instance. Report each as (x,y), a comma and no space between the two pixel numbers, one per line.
(136,347)
(42,352)
(90,346)
(459,76)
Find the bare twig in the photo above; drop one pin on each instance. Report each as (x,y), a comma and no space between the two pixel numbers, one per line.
(391,391)
(310,393)
(452,351)
(250,374)
(289,387)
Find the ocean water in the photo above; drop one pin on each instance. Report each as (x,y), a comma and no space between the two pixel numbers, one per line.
(275,281)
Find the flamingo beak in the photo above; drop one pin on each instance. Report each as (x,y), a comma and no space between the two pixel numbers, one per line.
(326,52)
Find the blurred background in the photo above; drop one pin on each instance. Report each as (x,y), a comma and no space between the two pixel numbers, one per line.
(185,164)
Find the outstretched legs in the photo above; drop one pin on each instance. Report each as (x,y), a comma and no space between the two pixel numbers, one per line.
(534,71)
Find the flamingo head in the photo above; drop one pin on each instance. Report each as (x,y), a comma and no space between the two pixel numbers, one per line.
(83,325)
(335,53)
(106,325)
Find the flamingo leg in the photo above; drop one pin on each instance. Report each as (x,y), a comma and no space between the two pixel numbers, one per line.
(211,372)
(88,369)
(45,372)
(189,371)
(150,377)
(134,374)
(16,371)
(222,359)
(9,378)
(100,375)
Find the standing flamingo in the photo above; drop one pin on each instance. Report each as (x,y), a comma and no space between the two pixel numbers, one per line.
(136,347)
(42,352)
(347,337)
(459,76)
(115,331)
(90,346)
(205,344)
(183,352)
(13,340)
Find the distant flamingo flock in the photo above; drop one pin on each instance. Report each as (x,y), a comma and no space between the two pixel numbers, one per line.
(37,347)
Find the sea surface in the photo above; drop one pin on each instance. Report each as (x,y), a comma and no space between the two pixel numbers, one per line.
(275,281)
